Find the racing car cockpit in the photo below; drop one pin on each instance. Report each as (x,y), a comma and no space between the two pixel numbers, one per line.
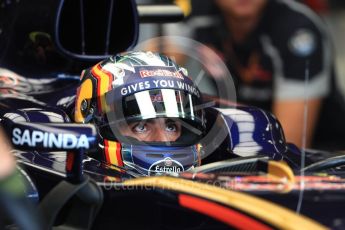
(150,113)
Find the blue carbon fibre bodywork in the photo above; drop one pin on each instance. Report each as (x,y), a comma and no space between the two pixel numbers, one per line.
(254,131)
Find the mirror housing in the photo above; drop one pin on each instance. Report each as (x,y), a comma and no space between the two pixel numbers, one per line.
(74,139)
(94,30)
(50,136)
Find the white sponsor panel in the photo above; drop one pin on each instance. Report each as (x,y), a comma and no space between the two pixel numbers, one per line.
(166,166)
(49,140)
(140,86)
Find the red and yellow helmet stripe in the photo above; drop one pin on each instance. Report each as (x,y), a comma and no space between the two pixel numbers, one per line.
(104,84)
(112,151)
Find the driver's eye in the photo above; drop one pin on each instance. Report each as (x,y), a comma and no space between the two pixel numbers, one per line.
(139,128)
(171,127)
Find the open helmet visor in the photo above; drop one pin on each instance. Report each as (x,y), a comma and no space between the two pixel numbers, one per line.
(176,105)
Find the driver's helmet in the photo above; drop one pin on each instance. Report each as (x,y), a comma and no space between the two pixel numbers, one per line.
(148,112)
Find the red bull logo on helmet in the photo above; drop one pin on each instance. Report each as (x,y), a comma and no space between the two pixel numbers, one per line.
(160,73)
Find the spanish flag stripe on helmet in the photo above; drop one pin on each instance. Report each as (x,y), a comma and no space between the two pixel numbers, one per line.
(106,150)
(104,79)
(118,154)
(113,153)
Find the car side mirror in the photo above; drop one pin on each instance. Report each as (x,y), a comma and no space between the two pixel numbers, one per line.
(94,30)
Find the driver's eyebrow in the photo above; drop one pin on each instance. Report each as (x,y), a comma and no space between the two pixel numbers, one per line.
(170,120)
(143,122)
(151,121)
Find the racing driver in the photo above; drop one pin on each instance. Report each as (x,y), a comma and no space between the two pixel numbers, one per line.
(148,111)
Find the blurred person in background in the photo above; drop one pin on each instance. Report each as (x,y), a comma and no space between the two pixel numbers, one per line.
(7,162)
(15,210)
(11,184)
(280,56)
(272,48)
